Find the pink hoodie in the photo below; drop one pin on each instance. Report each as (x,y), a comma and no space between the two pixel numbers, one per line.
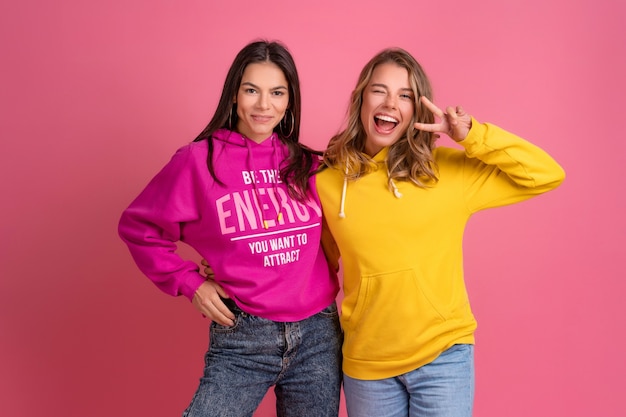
(263,246)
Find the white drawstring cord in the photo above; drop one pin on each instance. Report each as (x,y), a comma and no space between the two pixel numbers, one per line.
(342,213)
(396,192)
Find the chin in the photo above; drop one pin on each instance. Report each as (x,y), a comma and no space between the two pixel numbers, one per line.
(384,141)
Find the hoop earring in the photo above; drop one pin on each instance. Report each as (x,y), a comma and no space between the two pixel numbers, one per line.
(293,122)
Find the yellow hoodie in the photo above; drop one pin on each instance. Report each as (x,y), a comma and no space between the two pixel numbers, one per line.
(405,299)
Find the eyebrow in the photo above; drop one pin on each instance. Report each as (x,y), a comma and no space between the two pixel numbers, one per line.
(280,87)
(387,88)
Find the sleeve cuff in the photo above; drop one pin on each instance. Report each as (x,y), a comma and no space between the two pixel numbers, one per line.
(193,282)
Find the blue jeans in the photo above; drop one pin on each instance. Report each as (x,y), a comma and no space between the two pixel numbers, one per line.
(442,388)
(302,360)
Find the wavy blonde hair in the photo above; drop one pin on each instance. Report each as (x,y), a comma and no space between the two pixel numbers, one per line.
(410,158)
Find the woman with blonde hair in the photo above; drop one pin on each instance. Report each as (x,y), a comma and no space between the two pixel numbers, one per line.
(396,206)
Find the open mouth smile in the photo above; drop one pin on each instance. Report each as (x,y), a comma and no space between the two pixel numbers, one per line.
(385,123)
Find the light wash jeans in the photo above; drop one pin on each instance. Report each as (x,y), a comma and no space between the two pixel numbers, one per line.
(302,360)
(442,388)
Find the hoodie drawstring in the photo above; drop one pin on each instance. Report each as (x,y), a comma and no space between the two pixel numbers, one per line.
(342,213)
(279,216)
(396,192)
(257,197)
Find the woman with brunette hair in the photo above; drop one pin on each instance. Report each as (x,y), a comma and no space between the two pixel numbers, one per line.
(397,207)
(242,195)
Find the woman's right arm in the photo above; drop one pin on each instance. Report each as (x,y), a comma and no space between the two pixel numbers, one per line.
(151,226)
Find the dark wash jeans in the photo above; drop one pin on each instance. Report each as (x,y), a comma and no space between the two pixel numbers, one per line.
(302,360)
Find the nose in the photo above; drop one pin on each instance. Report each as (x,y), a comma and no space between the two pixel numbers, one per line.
(264,101)
(391,101)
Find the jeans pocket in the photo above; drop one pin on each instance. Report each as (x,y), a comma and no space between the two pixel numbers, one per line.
(220,328)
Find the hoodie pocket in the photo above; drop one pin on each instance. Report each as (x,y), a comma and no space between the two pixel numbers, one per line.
(393,316)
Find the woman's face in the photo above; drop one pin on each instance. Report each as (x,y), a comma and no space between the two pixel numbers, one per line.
(387,107)
(262,99)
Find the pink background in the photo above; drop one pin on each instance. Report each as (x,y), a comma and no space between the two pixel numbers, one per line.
(96,96)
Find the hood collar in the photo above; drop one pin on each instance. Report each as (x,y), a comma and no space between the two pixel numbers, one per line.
(237,139)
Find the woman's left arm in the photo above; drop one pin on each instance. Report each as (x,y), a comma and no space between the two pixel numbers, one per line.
(500,167)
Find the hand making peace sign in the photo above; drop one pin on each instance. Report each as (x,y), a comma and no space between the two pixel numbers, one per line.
(455,122)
